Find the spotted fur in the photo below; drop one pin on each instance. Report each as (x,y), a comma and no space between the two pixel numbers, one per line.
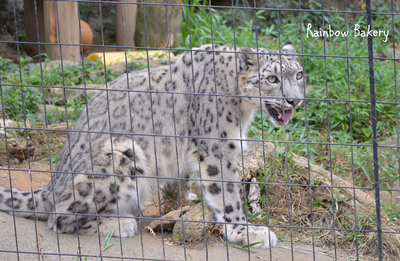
(185,120)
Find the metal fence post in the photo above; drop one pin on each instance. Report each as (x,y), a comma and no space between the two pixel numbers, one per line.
(374,136)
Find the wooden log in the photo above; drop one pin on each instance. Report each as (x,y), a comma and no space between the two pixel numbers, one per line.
(125,15)
(152,22)
(61,25)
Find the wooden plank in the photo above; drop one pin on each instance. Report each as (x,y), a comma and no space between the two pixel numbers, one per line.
(64,30)
(129,19)
(69,29)
(50,28)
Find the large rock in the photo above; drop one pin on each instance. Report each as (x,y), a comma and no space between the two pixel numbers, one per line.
(168,221)
(194,231)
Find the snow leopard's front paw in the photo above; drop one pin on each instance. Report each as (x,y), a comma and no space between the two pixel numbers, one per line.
(255,236)
(122,227)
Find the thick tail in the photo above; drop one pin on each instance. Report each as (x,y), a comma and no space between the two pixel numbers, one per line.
(23,204)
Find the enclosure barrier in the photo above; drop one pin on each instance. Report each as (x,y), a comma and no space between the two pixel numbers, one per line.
(326,182)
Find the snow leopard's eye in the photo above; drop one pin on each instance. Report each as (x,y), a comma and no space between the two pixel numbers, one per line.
(299,75)
(272,79)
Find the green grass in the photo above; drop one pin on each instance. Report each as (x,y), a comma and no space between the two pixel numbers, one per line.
(22,90)
(106,246)
(335,78)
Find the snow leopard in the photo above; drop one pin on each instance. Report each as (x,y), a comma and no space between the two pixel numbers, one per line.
(156,126)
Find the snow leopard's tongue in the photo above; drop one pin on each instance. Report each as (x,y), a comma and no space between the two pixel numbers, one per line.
(287,115)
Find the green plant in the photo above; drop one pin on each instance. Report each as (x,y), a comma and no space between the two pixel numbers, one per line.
(104,249)
(22,86)
(205,25)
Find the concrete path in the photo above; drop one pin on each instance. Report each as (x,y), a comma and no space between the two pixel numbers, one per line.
(144,246)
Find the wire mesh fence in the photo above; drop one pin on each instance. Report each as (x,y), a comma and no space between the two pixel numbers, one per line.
(199,130)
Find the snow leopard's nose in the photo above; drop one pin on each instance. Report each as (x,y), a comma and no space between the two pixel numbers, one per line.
(293,102)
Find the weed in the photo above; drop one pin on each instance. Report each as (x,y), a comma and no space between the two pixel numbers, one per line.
(104,249)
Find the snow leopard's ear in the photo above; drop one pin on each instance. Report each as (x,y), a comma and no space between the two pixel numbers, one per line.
(289,48)
(248,58)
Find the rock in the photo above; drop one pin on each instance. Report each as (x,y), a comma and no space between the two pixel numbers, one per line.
(194,231)
(254,197)
(7,124)
(155,225)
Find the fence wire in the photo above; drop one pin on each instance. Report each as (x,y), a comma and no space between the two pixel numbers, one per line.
(326,182)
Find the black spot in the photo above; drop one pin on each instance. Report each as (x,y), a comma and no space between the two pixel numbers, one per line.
(83,146)
(123,161)
(113,200)
(232,146)
(212,170)
(223,134)
(66,197)
(201,158)
(60,222)
(84,188)
(114,188)
(166,140)
(102,209)
(186,60)
(243,218)
(237,219)
(79,207)
(45,195)
(237,205)
(228,209)
(26,193)
(133,171)
(120,174)
(228,165)
(31,204)
(214,189)
(82,222)
(128,154)
(228,219)
(230,187)
(215,148)
(140,170)
(119,111)
(99,196)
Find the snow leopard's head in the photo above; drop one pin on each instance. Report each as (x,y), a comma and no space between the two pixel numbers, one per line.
(273,79)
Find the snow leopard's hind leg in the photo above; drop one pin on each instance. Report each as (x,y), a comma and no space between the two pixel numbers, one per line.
(107,198)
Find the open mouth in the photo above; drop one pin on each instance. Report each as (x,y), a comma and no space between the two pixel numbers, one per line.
(279,115)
